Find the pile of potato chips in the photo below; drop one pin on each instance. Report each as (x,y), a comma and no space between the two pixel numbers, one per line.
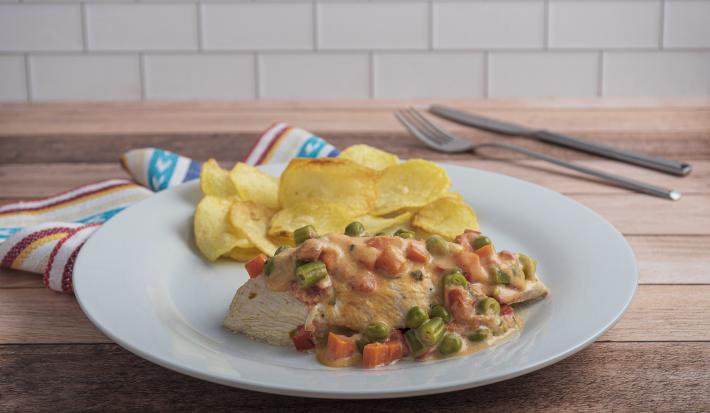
(245,212)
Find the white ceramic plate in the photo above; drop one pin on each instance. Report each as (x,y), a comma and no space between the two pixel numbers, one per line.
(141,280)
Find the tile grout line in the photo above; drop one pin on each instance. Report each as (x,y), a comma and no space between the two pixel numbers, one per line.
(600,87)
(316,32)
(141,71)
(257,76)
(546,26)
(84,28)
(662,23)
(430,22)
(486,74)
(371,64)
(198,22)
(28,79)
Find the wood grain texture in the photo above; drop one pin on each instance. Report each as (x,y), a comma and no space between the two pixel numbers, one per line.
(654,308)
(604,377)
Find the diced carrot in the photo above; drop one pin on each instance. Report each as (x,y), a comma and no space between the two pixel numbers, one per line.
(395,350)
(330,259)
(391,260)
(486,252)
(417,252)
(470,263)
(302,339)
(374,354)
(339,346)
(256,265)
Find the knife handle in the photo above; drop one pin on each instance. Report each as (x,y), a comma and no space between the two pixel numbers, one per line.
(659,164)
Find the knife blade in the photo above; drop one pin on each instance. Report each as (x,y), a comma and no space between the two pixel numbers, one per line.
(507,128)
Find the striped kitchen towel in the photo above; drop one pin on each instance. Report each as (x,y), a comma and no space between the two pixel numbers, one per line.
(45,236)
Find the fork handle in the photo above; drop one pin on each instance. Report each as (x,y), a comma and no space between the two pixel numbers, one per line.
(611,178)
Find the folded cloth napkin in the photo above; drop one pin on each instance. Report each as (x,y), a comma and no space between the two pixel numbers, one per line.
(45,236)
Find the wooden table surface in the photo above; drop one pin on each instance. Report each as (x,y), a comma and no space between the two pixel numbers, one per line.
(657,358)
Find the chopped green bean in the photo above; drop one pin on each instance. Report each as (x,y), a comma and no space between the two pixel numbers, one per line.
(480,335)
(309,273)
(304,233)
(438,310)
(416,316)
(269,266)
(404,233)
(455,277)
(450,344)
(431,331)
(488,305)
(377,331)
(481,241)
(416,348)
(355,229)
(280,249)
(529,266)
(437,245)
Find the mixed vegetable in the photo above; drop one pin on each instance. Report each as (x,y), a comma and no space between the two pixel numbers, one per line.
(461,291)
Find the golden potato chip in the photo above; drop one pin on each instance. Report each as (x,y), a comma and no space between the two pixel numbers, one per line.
(242,254)
(215,181)
(213,234)
(374,224)
(414,183)
(329,180)
(253,220)
(324,217)
(254,185)
(447,216)
(368,156)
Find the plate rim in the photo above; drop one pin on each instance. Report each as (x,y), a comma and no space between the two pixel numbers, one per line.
(428,389)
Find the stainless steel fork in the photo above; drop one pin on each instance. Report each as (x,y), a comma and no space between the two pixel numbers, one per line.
(439,139)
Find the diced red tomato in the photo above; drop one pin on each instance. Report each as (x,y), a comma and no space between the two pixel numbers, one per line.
(470,263)
(256,265)
(417,252)
(506,309)
(466,238)
(391,260)
(302,339)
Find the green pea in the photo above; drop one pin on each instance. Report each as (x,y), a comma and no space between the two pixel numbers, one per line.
(431,331)
(416,348)
(455,277)
(304,233)
(529,266)
(269,266)
(355,229)
(377,331)
(437,245)
(280,249)
(438,310)
(480,335)
(416,316)
(488,305)
(481,241)
(308,274)
(450,344)
(501,277)
(404,233)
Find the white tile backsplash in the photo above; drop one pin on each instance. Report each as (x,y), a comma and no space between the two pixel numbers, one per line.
(657,74)
(12,79)
(34,27)
(141,26)
(414,75)
(314,75)
(502,24)
(604,24)
(377,25)
(687,24)
(249,26)
(543,74)
(350,49)
(76,77)
(201,76)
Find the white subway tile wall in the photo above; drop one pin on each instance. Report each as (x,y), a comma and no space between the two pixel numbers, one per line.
(352,49)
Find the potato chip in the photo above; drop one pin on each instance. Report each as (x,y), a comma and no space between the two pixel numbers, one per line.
(213,234)
(254,185)
(414,183)
(447,216)
(215,181)
(253,220)
(324,217)
(329,180)
(243,254)
(374,224)
(368,156)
